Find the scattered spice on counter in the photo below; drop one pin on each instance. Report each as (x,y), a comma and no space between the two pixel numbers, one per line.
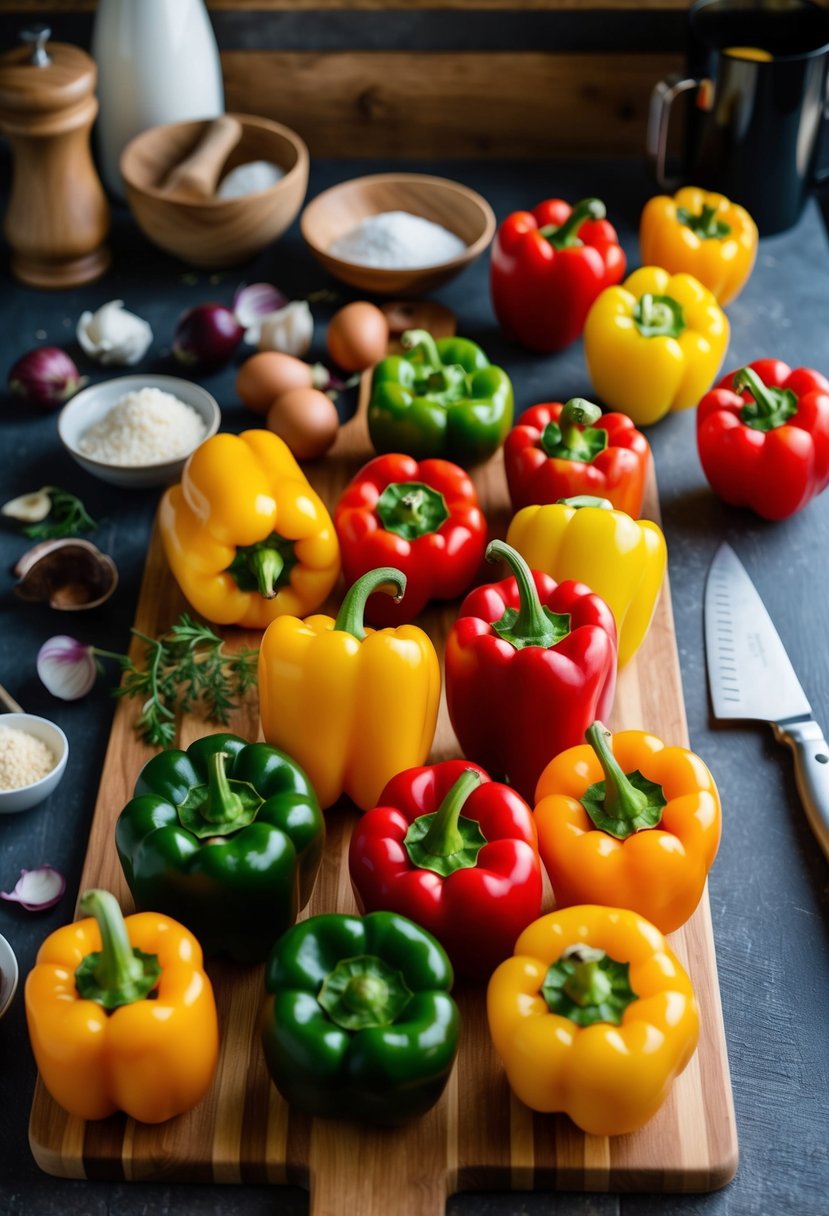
(397,240)
(145,427)
(24,759)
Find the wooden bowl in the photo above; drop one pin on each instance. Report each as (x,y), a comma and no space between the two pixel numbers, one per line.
(214,232)
(336,211)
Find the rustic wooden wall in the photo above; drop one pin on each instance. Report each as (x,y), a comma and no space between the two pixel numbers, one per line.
(421,78)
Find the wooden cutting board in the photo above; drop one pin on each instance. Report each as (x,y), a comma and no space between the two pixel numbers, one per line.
(478,1136)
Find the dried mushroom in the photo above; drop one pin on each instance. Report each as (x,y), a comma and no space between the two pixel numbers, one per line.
(69,575)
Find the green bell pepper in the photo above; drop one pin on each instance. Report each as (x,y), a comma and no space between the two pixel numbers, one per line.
(441,399)
(359,1023)
(227,838)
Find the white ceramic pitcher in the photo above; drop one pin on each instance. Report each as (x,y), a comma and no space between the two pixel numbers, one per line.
(158,62)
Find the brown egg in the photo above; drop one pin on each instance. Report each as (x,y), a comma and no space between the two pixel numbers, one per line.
(264,377)
(306,419)
(358,336)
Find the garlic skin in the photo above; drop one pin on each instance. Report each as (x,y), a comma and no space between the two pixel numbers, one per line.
(28,508)
(112,335)
(288,331)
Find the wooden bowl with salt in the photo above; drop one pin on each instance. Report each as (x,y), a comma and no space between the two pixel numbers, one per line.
(339,210)
(210,231)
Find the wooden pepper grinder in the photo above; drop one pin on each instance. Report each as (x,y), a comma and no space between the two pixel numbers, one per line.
(58,215)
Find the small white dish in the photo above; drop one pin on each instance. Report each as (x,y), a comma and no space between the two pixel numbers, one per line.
(9,975)
(91,404)
(27,796)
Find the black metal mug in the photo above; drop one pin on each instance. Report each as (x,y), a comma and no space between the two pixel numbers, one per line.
(759,71)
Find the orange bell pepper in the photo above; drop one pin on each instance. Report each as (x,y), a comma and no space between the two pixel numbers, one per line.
(625,821)
(100,1043)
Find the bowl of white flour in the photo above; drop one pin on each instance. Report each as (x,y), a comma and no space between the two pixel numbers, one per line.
(397,233)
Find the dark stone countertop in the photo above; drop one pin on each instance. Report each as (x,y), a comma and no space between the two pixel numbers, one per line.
(768,886)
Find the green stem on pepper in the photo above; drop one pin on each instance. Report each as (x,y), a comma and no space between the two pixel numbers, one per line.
(531,624)
(623,803)
(446,841)
(117,974)
(566,235)
(350,618)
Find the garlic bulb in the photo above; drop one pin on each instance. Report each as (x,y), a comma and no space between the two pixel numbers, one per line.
(113,335)
(29,508)
(289,330)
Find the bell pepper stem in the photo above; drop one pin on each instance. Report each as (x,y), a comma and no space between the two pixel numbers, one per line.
(658,316)
(422,341)
(221,804)
(563,235)
(747,378)
(588,984)
(117,974)
(704,223)
(578,412)
(622,800)
(585,500)
(351,616)
(532,624)
(443,837)
(267,566)
(364,992)
(623,803)
(411,509)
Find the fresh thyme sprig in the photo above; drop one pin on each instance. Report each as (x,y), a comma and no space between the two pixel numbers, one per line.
(67,517)
(186,665)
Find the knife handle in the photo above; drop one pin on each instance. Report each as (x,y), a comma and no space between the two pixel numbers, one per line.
(811,772)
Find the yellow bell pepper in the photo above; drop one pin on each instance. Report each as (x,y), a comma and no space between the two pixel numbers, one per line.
(593,1016)
(246,537)
(621,559)
(702,234)
(352,706)
(654,344)
(121,1015)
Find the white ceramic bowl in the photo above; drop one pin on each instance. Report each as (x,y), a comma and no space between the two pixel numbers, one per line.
(90,405)
(27,796)
(8,975)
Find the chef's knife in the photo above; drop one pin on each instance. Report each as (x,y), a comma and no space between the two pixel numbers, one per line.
(750,676)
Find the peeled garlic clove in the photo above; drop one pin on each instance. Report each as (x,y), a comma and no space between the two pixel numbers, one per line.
(71,575)
(112,335)
(29,508)
(289,330)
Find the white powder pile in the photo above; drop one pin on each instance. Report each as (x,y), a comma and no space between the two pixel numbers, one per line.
(24,759)
(397,240)
(145,427)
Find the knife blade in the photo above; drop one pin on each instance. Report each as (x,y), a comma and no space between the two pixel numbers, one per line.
(750,675)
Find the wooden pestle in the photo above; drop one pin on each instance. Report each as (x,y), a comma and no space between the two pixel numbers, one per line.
(195,178)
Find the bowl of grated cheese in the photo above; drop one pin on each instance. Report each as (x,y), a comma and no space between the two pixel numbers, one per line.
(33,755)
(137,431)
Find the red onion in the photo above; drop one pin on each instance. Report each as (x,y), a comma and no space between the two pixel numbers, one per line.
(206,336)
(46,377)
(37,890)
(252,303)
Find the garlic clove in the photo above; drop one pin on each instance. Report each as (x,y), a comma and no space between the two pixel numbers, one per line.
(289,331)
(69,575)
(112,335)
(29,508)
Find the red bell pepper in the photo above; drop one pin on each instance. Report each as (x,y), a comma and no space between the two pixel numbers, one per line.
(529,665)
(548,266)
(458,854)
(763,437)
(566,451)
(423,519)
